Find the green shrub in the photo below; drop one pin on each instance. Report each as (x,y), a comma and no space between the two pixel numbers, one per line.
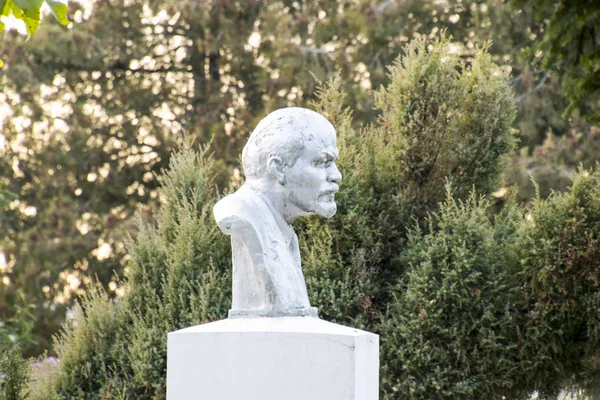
(178,276)
(441,119)
(449,119)
(14,375)
(499,306)
(560,253)
(450,333)
(90,350)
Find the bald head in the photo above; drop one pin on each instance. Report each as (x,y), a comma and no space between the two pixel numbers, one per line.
(284,134)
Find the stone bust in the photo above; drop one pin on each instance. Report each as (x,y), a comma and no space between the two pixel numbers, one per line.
(289,162)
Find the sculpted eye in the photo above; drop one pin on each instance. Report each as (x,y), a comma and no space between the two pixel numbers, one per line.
(324,161)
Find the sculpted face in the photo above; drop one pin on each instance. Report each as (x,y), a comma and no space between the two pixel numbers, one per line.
(290,159)
(314,179)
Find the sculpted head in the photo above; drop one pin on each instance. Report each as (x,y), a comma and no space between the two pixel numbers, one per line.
(291,155)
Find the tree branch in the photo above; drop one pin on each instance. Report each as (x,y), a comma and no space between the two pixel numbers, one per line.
(118,67)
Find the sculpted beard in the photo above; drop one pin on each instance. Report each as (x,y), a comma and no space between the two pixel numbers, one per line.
(326,201)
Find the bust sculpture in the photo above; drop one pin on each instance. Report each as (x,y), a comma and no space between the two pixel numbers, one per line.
(289,162)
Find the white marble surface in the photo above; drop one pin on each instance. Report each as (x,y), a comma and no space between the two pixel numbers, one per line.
(288,358)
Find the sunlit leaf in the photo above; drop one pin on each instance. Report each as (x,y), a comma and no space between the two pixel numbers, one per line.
(59,10)
(1,63)
(1,26)
(32,20)
(16,10)
(26,5)
(32,24)
(29,12)
(5,7)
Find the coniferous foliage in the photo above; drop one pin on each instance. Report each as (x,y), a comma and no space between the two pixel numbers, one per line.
(452,329)
(91,351)
(499,306)
(560,253)
(440,119)
(178,276)
(14,375)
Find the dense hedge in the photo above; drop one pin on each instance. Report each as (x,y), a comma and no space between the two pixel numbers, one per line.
(559,277)
(499,305)
(453,327)
(14,375)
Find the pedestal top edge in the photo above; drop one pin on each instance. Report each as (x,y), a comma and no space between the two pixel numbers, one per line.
(273,325)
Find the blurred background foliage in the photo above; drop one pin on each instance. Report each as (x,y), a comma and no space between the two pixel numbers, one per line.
(569,48)
(90,113)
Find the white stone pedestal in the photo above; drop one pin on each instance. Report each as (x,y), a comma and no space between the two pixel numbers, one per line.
(290,358)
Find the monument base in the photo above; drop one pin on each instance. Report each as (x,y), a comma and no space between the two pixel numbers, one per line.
(294,312)
(289,358)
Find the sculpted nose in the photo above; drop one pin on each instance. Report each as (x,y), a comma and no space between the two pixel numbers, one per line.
(334,174)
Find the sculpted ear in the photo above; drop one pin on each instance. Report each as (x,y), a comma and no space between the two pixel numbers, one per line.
(275,167)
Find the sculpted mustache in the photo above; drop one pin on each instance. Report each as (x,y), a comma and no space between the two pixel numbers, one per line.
(330,190)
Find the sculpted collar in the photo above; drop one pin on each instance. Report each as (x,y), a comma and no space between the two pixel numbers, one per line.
(285,228)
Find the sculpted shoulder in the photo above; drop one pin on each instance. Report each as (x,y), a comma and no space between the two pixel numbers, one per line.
(233,213)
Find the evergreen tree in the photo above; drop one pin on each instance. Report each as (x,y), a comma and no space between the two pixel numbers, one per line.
(560,269)
(179,275)
(14,375)
(441,119)
(451,332)
(498,307)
